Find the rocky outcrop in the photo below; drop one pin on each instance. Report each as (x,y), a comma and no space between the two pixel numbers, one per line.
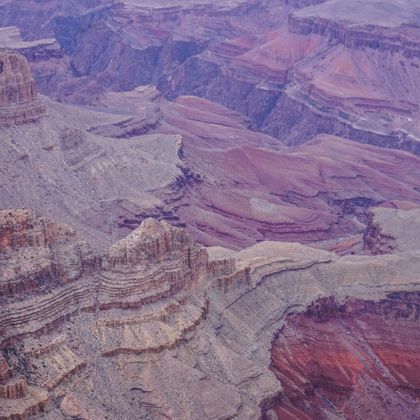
(36,255)
(18,400)
(154,262)
(18,95)
(49,274)
(155,308)
(348,359)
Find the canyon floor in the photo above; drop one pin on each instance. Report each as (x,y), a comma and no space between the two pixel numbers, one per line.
(209,210)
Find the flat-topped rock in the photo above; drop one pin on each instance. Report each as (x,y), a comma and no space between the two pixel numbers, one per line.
(387,13)
(10,37)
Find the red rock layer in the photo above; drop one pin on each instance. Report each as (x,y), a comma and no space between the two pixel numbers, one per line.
(359,359)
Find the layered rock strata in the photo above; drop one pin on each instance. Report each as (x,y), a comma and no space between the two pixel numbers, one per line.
(290,84)
(295,73)
(350,360)
(18,96)
(114,333)
(145,296)
(36,254)
(279,200)
(18,400)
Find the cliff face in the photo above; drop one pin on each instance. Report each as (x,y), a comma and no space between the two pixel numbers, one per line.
(144,297)
(18,95)
(95,335)
(296,68)
(329,87)
(46,262)
(37,254)
(351,360)
(171,261)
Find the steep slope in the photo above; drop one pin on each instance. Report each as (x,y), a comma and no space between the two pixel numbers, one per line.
(114,333)
(55,166)
(350,360)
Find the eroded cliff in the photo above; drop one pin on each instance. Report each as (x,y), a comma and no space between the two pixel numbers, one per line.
(114,333)
(18,96)
(351,360)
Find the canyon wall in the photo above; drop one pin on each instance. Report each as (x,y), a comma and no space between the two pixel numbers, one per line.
(111,169)
(295,68)
(144,297)
(92,334)
(352,359)
(230,123)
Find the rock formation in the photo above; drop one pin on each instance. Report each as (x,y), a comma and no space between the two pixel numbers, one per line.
(352,359)
(114,333)
(145,296)
(18,96)
(44,252)
(279,199)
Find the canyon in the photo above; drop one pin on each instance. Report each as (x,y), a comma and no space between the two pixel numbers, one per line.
(218,194)
(294,68)
(99,335)
(198,160)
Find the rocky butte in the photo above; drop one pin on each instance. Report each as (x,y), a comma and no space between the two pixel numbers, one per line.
(18,95)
